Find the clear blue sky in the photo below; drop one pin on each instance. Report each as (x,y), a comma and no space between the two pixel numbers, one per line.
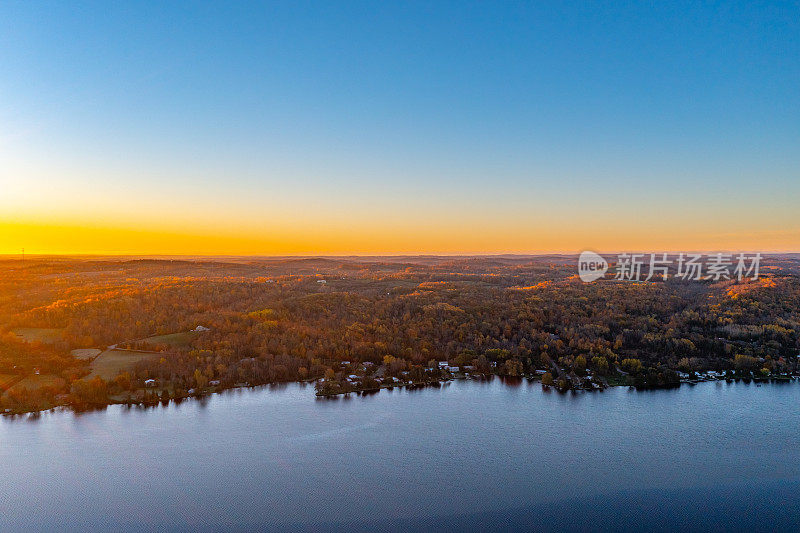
(434,121)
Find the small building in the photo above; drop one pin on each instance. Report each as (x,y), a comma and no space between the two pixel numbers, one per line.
(149,383)
(214,382)
(201,328)
(322,281)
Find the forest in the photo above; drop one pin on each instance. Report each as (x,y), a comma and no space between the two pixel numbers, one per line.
(88,332)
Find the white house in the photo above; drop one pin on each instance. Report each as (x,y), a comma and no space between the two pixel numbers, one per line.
(201,328)
(149,383)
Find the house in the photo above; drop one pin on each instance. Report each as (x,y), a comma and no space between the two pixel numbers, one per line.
(149,383)
(443,364)
(352,376)
(453,368)
(201,328)
(214,382)
(322,281)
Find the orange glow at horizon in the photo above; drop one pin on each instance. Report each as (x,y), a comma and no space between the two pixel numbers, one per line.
(53,238)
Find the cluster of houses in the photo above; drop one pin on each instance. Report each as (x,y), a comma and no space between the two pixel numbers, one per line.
(380,377)
(703,376)
(715,375)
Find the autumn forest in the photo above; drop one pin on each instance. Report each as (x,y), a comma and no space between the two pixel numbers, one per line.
(87,332)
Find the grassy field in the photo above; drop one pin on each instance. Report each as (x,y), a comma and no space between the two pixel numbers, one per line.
(34,382)
(85,353)
(111,363)
(6,380)
(43,335)
(174,340)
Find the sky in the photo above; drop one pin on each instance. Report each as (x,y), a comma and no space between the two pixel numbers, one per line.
(324,128)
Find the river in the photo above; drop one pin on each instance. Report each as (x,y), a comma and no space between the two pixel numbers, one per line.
(468,455)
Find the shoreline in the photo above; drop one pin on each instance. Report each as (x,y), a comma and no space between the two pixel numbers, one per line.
(374,390)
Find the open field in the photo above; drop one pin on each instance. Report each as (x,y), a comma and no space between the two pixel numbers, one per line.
(174,340)
(86,354)
(35,382)
(7,381)
(111,363)
(43,335)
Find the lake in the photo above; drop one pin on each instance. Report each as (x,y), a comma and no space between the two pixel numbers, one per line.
(468,455)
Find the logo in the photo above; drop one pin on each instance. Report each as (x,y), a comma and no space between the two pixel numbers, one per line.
(684,266)
(591,266)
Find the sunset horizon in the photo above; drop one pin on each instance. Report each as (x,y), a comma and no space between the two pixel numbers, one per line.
(57,239)
(207,134)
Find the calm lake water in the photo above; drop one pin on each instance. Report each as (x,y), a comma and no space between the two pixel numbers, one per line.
(466,456)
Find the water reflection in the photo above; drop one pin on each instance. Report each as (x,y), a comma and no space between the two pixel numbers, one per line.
(275,455)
